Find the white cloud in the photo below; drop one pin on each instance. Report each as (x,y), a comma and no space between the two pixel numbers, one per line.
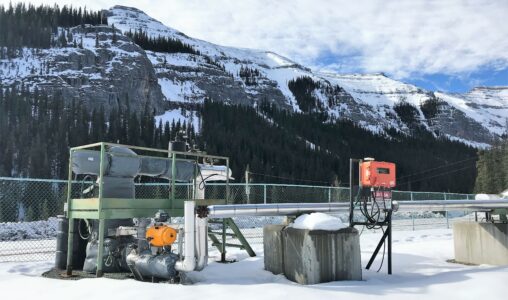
(398,37)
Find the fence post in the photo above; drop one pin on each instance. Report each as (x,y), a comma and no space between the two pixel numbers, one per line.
(412,214)
(446,214)
(329,195)
(264,193)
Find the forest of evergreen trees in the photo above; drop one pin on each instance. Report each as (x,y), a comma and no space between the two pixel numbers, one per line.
(280,150)
(159,44)
(37,129)
(493,169)
(303,88)
(26,25)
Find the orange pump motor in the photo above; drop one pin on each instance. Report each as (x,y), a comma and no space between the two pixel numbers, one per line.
(161,235)
(377,174)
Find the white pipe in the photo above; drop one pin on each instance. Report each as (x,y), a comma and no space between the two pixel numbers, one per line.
(284,209)
(189,260)
(201,243)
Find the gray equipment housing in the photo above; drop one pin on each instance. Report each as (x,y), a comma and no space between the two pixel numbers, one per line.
(124,163)
(146,265)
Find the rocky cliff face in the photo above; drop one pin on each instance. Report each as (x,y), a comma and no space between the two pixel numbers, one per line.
(95,71)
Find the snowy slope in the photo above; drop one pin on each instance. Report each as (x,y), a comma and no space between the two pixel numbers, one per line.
(486,105)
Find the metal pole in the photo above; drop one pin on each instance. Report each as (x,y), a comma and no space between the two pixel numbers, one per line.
(329,195)
(264,193)
(247,187)
(389,229)
(446,214)
(70,236)
(412,215)
(227,180)
(351,180)
(223,252)
(173,178)
(100,251)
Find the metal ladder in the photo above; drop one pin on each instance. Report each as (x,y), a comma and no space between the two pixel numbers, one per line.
(223,234)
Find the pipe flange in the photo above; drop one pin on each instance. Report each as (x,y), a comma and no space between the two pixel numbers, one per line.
(202,211)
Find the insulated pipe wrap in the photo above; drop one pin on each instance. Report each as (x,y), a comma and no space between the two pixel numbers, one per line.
(226,211)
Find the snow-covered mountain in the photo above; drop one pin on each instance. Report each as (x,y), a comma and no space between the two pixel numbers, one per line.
(477,117)
(247,76)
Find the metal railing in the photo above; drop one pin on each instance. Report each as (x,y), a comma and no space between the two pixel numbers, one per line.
(28,208)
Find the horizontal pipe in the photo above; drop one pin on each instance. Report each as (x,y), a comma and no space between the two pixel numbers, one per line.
(280,209)
(450,205)
(284,209)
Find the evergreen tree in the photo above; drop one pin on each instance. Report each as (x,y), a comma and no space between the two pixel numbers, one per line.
(114,38)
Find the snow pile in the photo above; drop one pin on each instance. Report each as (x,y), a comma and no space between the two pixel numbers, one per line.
(14,231)
(485,197)
(318,221)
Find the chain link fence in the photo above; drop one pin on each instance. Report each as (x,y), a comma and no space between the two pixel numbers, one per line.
(28,209)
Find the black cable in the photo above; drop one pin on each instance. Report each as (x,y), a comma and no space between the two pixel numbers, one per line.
(293,179)
(384,249)
(79,230)
(436,175)
(443,166)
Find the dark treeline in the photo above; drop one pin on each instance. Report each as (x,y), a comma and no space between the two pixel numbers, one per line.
(159,44)
(37,129)
(249,75)
(423,162)
(493,169)
(242,134)
(26,25)
(303,89)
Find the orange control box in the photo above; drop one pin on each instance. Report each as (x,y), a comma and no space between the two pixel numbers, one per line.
(377,174)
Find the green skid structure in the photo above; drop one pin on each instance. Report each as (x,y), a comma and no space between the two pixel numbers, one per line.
(100,208)
(223,234)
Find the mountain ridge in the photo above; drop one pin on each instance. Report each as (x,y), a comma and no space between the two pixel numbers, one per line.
(373,96)
(107,68)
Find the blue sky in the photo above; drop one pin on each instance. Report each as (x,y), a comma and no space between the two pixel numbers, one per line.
(447,45)
(453,82)
(485,76)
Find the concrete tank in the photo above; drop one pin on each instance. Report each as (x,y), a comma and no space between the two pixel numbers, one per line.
(481,243)
(312,256)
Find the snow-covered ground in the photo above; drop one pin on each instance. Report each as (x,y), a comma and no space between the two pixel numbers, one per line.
(420,272)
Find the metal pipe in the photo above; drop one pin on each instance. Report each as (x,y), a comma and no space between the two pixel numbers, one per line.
(227,211)
(450,205)
(189,260)
(201,251)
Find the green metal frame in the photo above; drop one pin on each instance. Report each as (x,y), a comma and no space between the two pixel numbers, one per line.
(102,209)
(237,234)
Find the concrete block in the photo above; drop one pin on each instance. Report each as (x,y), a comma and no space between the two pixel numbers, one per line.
(312,256)
(316,256)
(274,250)
(481,243)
